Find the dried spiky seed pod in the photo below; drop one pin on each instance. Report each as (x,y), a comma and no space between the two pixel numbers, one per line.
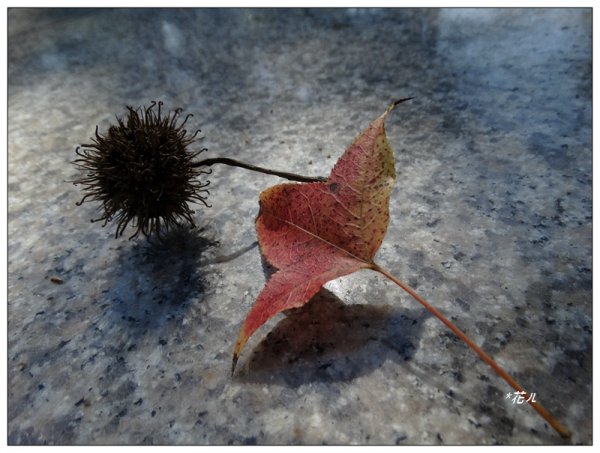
(142,171)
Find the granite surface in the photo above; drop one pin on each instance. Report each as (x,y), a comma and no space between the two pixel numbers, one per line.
(490,221)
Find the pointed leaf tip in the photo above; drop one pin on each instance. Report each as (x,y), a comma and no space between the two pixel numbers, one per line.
(233,363)
(395,103)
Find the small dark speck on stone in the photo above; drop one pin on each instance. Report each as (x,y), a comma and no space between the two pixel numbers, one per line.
(458,256)
(458,376)
(485,408)
(138,402)
(475,423)
(399,439)
(522,322)
(153,413)
(162,341)
(464,305)
(433,223)
(508,423)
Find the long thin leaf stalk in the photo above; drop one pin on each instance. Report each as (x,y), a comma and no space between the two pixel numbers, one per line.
(564,432)
(283,174)
(268,171)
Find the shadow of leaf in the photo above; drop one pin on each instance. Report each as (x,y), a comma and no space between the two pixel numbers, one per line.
(327,340)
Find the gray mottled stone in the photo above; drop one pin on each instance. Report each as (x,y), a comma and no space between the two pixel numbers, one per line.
(491,222)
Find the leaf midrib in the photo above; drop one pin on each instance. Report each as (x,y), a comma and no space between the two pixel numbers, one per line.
(325,241)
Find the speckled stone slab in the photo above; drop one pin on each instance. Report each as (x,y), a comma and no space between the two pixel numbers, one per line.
(490,221)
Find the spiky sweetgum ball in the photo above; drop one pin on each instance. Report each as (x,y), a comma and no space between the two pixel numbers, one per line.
(141,171)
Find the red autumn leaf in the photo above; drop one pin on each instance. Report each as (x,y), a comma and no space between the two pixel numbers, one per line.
(316,232)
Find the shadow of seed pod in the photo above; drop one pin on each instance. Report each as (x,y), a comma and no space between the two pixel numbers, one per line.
(142,172)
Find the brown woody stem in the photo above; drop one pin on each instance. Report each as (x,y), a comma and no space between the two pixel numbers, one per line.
(564,432)
(268,171)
